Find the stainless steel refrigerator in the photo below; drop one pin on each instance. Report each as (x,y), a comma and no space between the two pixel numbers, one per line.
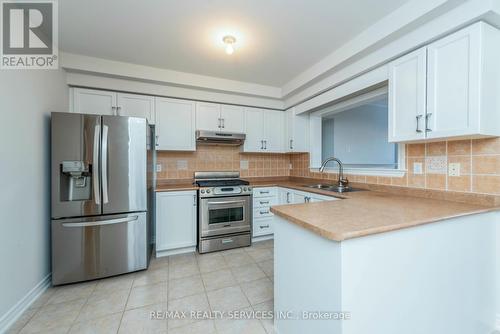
(101,190)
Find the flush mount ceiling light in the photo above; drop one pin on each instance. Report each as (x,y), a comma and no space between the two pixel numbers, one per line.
(229,42)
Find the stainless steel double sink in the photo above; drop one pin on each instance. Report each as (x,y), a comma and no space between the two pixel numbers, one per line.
(332,188)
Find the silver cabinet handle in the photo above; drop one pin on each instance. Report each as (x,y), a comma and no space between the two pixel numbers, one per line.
(223,123)
(227,241)
(288,197)
(219,125)
(264,212)
(264,202)
(104,168)
(265,144)
(157,141)
(307,199)
(118,110)
(418,117)
(427,116)
(261,144)
(95,167)
(225,202)
(113,110)
(104,222)
(264,192)
(264,226)
(291,144)
(194,200)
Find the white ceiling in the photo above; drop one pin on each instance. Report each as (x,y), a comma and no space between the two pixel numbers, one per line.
(277,40)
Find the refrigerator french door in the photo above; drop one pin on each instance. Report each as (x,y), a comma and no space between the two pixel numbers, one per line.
(99,196)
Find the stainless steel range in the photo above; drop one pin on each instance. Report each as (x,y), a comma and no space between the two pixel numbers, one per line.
(224,211)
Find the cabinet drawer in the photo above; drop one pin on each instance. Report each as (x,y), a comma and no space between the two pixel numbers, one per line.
(263,226)
(262,212)
(264,202)
(265,192)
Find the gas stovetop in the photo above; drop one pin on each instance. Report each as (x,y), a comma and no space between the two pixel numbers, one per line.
(218,184)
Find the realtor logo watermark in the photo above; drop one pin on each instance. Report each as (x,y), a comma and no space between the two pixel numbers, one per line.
(29,34)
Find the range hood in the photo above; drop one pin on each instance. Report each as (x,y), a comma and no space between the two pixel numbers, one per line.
(219,138)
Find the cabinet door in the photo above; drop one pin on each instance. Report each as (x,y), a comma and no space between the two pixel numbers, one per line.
(232,118)
(454,64)
(407,97)
(175,125)
(273,130)
(175,220)
(137,106)
(299,197)
(208,116)
(254,122)
(92,101)
(296,132)
(262,226)
(286,196)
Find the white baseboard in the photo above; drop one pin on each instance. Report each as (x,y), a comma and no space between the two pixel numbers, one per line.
(162,253)
(8,319)
(497,323)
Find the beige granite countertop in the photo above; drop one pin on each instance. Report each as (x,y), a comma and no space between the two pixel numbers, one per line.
(377,209)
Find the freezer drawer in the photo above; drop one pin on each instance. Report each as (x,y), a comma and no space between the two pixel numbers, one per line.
(97,247)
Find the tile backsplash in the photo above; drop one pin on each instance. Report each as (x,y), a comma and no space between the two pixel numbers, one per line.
(182,165)
(478,162)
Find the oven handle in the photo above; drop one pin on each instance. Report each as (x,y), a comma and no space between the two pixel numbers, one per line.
(225,202)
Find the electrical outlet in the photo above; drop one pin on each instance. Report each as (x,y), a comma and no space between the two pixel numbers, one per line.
(290,166)
(158,168)
(454,169)
(417,168)
(243,164)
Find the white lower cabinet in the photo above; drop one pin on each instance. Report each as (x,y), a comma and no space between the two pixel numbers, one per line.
(265,197)
(176,220)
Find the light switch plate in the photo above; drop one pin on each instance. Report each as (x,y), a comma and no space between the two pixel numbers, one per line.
(243,164)
(182,164)
(158,168)
(454,169)
(417,168)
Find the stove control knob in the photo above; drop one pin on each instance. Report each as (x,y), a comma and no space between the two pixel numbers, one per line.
(245,188)
(249,188)
(208,191)
(202,191)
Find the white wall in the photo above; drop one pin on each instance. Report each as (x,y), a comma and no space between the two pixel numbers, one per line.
(26,99)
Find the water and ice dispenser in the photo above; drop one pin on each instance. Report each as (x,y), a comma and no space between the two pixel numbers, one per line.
(76,181)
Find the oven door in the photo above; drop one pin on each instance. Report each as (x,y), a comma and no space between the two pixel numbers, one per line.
(224,215)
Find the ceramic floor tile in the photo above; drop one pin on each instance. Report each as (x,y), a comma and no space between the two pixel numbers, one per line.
(194,303)
(147,295)
(267,307)
(22,320)
(139,321)
(54,318)
(263,244)
(71,292)
(159,262)
(211,262)
(238,259)
(184,287)
(258,291)
(247,273)
(218,279)
(246,323)
(151,276)
(102,303)
(122,282)
(182,258)
(44,298)
(260,254)
(185,269)
(267,267)
(199,327)
(106,325)
(227,299)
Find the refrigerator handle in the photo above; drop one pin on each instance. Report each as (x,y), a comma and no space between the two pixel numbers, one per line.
(104,222)
(104,167)
(95,167)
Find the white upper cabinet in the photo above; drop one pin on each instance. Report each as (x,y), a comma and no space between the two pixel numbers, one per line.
(91,101)
(136,105)
(264,130)
(296,132)
(208,116)
(232,118)
(407,96)
(462,77)
(219,117)
(175,125)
